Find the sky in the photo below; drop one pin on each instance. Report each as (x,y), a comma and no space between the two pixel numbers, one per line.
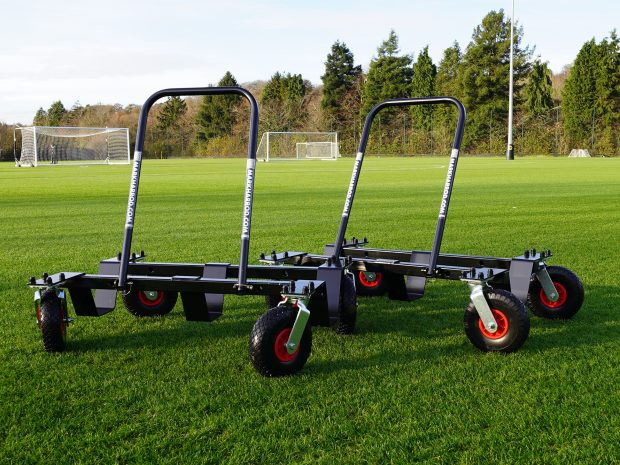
(122,51)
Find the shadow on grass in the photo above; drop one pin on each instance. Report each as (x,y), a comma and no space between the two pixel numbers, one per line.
(434,317)
(166,332)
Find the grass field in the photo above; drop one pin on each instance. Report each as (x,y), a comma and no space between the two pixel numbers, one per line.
(407,387)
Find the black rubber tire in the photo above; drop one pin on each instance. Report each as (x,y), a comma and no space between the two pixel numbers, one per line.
(52,322)
(364,290)
(347,310)
(139,307)
(518,323)
(573,289)
(263,339)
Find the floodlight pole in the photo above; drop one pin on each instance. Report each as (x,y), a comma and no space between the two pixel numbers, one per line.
(510,153)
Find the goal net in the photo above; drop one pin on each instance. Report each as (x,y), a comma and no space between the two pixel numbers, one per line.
(46,145)
(579,153)
(298,146)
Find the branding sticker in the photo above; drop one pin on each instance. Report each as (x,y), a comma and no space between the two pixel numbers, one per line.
(446,189)
(133,189)
(349,199)
(247,204)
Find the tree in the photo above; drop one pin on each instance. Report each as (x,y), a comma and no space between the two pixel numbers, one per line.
(608,95)
(40,118)
(389,76)
(484,77)
(168,116)
(56,113)
(283,102)
(448,72)
(423,85)
(537,91)
(340,77)
(215,116)
(579,96)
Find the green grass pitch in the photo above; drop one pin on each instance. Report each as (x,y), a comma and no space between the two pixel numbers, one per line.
(408,387)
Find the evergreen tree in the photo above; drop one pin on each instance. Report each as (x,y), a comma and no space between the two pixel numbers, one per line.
(484,77)
(537,91)
(283,102)
(56,113)
(40,119)
(447,79)
(340,77)
(215,115)
(579,96)
(168,116)
(72,118)
(389,76)
(423,85)
(608,95)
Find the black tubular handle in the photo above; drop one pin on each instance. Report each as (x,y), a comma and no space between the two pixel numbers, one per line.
(447,192)
(137,164)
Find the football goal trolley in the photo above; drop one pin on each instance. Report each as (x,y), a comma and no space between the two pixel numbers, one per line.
(50,145)
(496,319)
(298,146)
(298,298)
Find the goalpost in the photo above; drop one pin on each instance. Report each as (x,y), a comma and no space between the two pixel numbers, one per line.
(50,145)
(298,146)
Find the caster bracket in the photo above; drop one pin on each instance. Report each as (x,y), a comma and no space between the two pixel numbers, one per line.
(303,315)
(547,284)
(482,307)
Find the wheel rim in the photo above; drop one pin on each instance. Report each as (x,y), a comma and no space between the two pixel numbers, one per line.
(562,296)
(150,298)
(280,346)
(502,325)
(370,279)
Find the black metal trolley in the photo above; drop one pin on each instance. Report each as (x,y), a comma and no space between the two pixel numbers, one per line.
(496,319)
(281,339)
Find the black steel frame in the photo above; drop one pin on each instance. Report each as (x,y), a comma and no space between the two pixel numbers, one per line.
(202,285)
(417,265)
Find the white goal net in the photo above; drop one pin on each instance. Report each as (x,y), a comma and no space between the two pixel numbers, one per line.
(298,146)
(579,153)
(46,145)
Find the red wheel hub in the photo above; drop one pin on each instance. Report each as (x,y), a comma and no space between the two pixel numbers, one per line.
(502,325)
(370,279)
(150,300)
(280,346)
(562,296)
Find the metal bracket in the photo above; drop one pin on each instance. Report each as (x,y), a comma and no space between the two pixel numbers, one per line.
(37,305)
(482,307)
(303,315)
(547,284)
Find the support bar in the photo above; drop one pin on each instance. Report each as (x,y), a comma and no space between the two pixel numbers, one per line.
(445,200)
(137,164)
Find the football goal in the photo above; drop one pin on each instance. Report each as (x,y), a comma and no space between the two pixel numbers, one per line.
(298,146)
(47,145)
(579,153)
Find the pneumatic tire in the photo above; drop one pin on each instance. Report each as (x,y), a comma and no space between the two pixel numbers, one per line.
(269,335)
(53,323)
(570,292)
(512,320)
(150,303)
(347,310)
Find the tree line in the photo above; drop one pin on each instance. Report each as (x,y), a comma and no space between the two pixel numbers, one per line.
(579,108)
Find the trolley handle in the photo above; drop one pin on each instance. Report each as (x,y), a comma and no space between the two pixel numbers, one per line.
(447,192)
(137,164)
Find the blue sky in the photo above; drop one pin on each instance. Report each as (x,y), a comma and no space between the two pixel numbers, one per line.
(121,51)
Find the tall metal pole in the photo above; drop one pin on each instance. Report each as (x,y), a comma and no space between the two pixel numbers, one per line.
(510,154)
